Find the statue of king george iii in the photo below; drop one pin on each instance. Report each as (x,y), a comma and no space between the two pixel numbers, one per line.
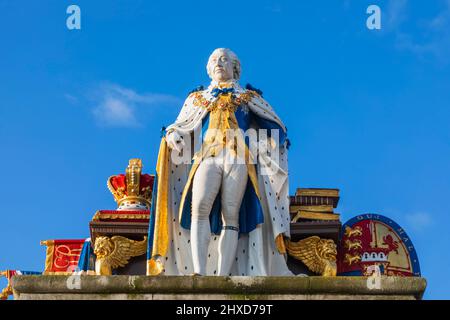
(221,197)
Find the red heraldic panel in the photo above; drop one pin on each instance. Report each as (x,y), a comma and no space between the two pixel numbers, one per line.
(373,243)
(62,255)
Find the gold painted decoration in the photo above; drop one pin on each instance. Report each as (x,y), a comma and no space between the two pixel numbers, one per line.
(314,199)
(161,240)
(315,216)
(133,174)
(353,232)
(154,267)
(200,101)
(316,192)
(280,244)
(230,100)
(132,190)
(319,255)
(314,204)
(7,291)
(115,252)
(312,208)
(121,215)
(161,234)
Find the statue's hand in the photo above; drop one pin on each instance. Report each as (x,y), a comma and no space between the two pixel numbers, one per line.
(174,140)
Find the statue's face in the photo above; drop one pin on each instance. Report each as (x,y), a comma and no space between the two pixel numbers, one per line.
(221,67)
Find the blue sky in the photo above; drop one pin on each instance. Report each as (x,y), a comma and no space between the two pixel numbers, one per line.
(367,111)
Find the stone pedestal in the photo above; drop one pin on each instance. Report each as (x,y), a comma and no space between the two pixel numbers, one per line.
(208,288)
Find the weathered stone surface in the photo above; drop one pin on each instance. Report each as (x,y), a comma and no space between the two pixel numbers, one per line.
(179,288)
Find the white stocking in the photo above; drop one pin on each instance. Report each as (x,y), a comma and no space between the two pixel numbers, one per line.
(227,250)
(200,236)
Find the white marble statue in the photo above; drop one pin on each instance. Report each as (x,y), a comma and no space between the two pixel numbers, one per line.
(220,203)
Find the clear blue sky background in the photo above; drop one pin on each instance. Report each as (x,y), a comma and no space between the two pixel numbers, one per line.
(367,111)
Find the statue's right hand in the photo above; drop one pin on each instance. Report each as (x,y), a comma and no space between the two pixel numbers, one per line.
(174,140)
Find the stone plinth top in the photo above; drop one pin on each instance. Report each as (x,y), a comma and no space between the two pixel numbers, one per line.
(186,287)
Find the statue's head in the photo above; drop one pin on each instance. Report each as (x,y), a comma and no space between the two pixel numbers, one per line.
(223,65)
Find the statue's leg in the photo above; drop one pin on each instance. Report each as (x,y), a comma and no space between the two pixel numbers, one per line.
(233,188)
(205,187)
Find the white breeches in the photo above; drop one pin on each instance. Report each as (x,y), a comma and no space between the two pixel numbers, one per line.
(220,173)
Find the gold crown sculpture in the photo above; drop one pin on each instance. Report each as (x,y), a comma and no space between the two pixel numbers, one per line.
(133,190)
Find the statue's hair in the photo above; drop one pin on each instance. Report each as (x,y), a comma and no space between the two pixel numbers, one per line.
(234,58)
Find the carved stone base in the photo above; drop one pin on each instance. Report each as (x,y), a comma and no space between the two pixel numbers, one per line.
(206,288)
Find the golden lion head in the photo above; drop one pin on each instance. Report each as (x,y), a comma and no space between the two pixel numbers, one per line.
(327,249)
(103,247)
